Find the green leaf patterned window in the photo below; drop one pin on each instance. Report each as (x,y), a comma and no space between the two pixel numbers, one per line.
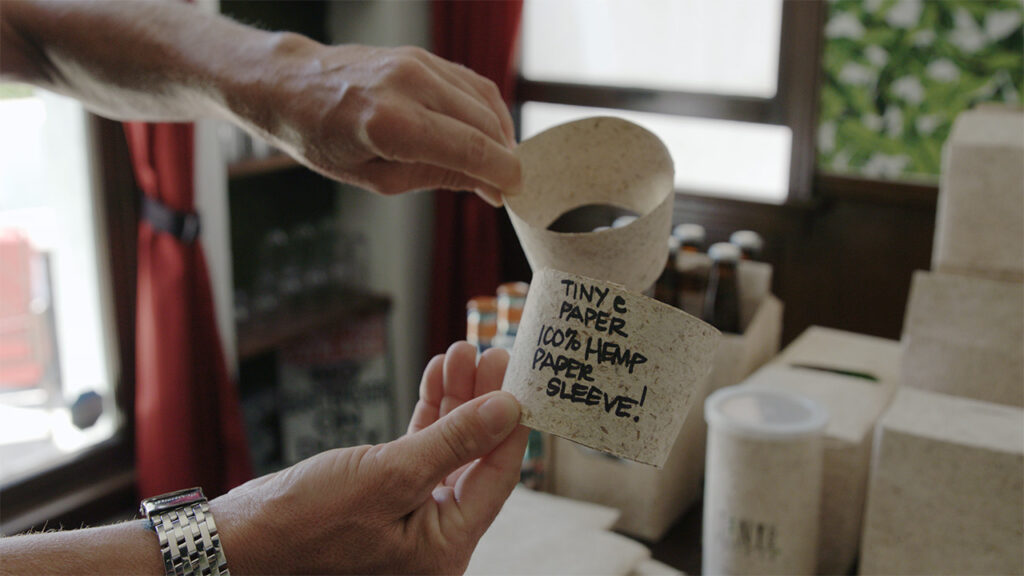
(898,72)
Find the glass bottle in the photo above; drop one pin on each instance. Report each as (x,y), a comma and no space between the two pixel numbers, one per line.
(511,299)
(722,300)
(691,237)
(749,242)
(623,221)
(691,268)
(666,288)
(481,321)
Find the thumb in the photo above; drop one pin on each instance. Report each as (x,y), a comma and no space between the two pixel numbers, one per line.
(471,431)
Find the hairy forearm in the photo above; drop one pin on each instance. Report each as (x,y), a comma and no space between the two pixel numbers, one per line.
(127,548)
(387,119)
(134,59)
(132,547)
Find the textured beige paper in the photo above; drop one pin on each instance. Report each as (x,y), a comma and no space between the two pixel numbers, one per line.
(964,335)
(762,499)
(854,406)
(946,494)
(979,224)
(604,161)
(537,533)
(761,504)
(629,399)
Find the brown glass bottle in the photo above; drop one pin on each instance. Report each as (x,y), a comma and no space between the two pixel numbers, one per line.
(666,287)
(691,268)
(722,300)
(691,237)
(749,242)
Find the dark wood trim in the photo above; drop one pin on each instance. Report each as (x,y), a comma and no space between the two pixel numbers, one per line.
(765,218)
(901,193)
(802,38)
(119,198)
(714,106)
(89,489)
(795,104)
(267,334)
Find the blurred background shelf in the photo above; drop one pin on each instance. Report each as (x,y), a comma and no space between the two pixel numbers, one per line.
(258,166)
(266,334)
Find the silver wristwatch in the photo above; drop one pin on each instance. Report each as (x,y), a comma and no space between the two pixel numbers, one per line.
(188,536)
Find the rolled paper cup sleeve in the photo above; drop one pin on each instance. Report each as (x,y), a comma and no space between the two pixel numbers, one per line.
(596,161)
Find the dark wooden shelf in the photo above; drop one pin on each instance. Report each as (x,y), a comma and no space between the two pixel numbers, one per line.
(258,336)
(257,166)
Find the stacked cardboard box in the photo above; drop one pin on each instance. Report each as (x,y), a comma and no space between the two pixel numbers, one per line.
(964,329)
(946,488)
(945,494)
(854,377)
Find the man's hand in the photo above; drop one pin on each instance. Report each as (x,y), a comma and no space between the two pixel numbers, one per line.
(418,504)
(387,119)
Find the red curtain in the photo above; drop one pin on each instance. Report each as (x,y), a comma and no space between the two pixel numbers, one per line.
(188,425)
(481,36)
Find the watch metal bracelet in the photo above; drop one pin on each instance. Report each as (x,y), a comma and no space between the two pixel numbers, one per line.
(189,541)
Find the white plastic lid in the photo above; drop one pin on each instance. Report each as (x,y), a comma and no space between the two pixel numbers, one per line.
(600,228)
(765,413)
(623,221)
(691,232)
(724,251)
(747,239)
(673,243)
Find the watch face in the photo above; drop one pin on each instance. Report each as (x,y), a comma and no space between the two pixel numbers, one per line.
(170,501)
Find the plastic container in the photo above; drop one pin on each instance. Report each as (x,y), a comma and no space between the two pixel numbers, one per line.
(763,484)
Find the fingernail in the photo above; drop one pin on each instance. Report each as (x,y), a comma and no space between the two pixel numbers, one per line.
(500,413)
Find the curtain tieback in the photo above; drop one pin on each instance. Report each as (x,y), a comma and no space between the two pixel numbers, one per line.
(182,225)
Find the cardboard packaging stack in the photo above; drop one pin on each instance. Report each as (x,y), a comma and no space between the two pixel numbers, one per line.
(854,377)
(946,489)
(655,499)
(964,329)
(945,494)
(537,533)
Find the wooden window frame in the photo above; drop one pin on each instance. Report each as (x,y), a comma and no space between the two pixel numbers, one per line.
(98,484)
(794,104)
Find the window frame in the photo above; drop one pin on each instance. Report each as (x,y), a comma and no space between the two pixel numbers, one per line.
(97,484)
(795,103)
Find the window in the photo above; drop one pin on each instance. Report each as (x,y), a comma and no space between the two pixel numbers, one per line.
(59,353)
(705,151)
(710,78)
(722,47)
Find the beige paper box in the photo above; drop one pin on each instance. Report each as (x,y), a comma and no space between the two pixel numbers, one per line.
(537,533)
(832,366)
(947,488)
(596,161)
(856,405)
(979,227)
(607,368)
(840,351)
(964,336)
(739,355)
